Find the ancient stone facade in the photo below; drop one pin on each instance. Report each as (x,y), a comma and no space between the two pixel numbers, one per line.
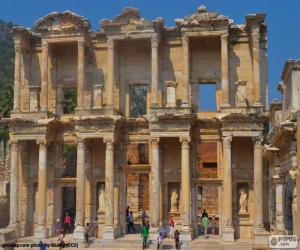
(283,154)
(187,158)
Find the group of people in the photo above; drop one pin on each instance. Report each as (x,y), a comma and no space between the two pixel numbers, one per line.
(205,223)
(61,229)
(162,233)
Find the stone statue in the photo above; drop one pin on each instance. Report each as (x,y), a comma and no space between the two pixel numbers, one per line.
(243,201)
(101,198)
(174,201)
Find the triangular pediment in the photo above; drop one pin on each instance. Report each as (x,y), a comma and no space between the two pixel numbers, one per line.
(62,22)
(130,19)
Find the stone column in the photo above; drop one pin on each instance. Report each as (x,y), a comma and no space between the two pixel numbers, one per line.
(80,190)
(224,69)
(111,73)
(154,71)
(228,232)
(41,231)
(109,231)
(17,83)
(279,195)
(258,184)
(14,185)
(155,183)
(185,189)
(44,77)
(186,72)
(256,66)
(80,76)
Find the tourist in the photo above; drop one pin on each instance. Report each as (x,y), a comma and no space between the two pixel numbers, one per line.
(144,235)
(176,237)
(205,223)
(160,238)
(172,226)
(95,227)
(127,211)
(42,246)
(204,214)
(130,220)
(61,239)
(86,234)
(144,217)
(213,224)
(57,227)
(67,223)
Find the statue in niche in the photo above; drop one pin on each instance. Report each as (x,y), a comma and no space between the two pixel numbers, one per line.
(101,198)
(243,201)
(174,201)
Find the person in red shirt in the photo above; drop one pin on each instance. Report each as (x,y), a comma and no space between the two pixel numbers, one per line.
(172,225)
(67,223)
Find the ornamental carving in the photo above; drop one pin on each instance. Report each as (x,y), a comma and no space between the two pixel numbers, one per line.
(62,21)
(227,141)
(201,17)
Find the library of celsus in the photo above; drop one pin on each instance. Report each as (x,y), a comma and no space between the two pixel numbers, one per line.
(167,120)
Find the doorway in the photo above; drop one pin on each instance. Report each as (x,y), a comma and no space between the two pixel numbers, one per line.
(69,204)
(137,197)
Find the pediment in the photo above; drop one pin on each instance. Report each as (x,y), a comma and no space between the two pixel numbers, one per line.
(130,19)
(203,17)
(62,22)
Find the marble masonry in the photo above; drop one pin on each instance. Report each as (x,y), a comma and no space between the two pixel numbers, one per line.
(115,117)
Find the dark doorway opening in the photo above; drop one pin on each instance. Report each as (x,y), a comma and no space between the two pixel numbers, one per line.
(69,205)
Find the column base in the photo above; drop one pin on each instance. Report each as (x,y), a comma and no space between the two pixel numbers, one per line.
(41,233)
(109,233)
(260,236)
(184,105)
(228,234)
(8,235)
(186,233)
(79,233)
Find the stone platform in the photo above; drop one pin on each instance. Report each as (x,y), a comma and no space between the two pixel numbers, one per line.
(134,241)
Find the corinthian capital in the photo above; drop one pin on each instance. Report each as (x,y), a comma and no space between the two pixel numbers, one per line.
(224,38)
(14,143)
(227,140)
(80,143)
(154,142)
(81,45)
(154,41)
(257,141)
(109,143)
(185,142)
(110,43)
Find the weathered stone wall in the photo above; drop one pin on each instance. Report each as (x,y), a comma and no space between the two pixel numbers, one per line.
(208,154)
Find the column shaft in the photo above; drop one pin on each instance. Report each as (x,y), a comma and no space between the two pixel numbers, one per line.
(256,65)
(224,69)
(185,182)
(14,183)
(258,184)
(80,183)
(17,82)
(42,185)
(44,80)
(111,73)
(109,184)
(155,183)
(186,71)
(154,70)
(80,76)
(228,232)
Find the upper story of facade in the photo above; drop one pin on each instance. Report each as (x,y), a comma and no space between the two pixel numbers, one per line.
(133,67)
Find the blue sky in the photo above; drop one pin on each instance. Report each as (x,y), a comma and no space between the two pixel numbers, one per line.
(282,19)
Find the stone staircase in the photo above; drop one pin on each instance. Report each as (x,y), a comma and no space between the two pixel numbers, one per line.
(134,241)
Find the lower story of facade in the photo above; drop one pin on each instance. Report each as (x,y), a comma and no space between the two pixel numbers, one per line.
(90,173)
